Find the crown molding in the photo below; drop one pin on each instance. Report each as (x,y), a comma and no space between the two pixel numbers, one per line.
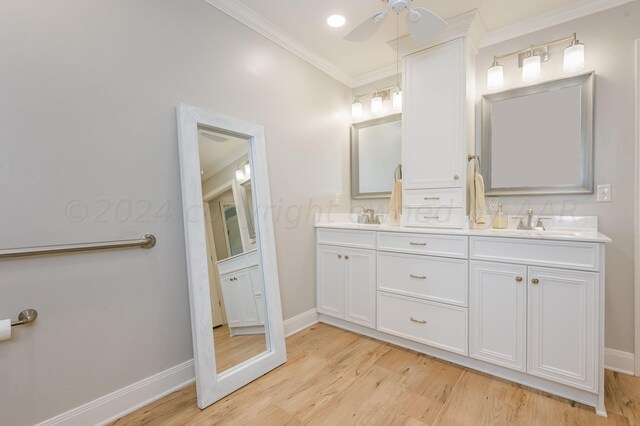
(541,22)
(375,75)
(263,26)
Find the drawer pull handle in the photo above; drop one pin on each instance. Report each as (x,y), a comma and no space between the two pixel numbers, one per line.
(431,198)
(418,321)
(418,277)
(519,279)
(535,281)
(417,244)
(431,217)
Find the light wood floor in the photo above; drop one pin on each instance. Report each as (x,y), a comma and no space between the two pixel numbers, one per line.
(334,377)
(231,351)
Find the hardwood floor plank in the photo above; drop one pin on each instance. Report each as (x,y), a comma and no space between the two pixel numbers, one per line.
(334,377)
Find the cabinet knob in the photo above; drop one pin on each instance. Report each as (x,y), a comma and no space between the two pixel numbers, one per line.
(519,279)
(456,177)
(535,281)
(339,256)
(346,257)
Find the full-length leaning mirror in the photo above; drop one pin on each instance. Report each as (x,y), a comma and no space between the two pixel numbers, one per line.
(236,318)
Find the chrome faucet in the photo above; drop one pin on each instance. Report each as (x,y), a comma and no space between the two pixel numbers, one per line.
(370,217)
(539,226)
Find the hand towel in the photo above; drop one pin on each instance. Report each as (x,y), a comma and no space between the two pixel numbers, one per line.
(395,203)
(478,208)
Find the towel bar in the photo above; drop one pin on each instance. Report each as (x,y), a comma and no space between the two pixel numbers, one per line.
(146,241)
(26,317)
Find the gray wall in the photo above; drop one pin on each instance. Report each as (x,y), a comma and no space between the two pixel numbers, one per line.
(609,41)
(87,113)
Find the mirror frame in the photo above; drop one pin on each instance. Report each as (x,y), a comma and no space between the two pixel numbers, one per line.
(211,386)
(586,81)
(355,156)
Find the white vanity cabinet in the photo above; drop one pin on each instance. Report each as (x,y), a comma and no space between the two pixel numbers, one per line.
(436,128)
(528,309)
(345,279)
(242,288)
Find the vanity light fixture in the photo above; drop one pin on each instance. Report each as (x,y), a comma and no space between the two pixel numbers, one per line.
(495,75)
(356,109)
(376,103)
(574,56)
(531,59)
(396,99)
(531,67)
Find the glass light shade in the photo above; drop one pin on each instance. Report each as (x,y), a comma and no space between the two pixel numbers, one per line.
(336,21)
(495,77)
(247,171)
(376,105)
(574,58)
(397,99)
(356,109)
(531,68)
(239,175)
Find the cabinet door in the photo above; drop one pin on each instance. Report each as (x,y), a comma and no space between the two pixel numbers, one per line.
(330,280)
(246,297)
(563,332)
(497,308)
(434,117)
(232,305)
(257,282)
(360,283)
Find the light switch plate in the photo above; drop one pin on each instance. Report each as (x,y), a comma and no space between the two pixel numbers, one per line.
(604,193)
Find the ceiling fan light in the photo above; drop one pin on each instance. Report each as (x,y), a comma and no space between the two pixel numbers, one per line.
(531,68)
(376,104)
(574,57)
(356,109)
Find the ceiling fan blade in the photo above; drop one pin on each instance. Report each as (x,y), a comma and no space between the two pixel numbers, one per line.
(424,24)
(367,29)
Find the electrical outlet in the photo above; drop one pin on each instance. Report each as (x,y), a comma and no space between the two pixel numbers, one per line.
(493,203)
(604,193)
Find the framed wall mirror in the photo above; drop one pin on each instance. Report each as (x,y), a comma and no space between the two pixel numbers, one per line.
(236,318)
(376,153)
(538,140)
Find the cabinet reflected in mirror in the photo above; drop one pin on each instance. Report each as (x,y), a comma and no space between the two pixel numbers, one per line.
(236,281)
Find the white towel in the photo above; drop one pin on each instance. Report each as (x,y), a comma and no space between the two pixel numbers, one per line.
(478,208)
(395,203)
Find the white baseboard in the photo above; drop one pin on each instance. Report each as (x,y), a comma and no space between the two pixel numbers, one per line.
(622,362)
(109,408)
(300,322)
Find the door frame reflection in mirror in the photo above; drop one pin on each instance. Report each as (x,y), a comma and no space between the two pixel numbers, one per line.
(211,386)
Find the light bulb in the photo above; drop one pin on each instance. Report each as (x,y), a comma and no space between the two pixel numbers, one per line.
(397,99)
(356,109)
(495,76)
(574,57)
(376,104)
(531,68)
(247,171)
(239,175)
(336,21)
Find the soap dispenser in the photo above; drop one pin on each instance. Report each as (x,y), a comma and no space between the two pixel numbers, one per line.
(501,221)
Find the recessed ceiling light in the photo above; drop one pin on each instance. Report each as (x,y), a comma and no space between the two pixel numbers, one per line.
(336,21)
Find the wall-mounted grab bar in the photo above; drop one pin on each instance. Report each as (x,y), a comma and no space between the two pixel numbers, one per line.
(147,241)
(26,317)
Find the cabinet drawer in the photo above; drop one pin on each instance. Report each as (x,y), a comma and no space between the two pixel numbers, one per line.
(438,279)
(346,237)
(433,217)
(434,245)
(563,254)
(447,197)
(431,323)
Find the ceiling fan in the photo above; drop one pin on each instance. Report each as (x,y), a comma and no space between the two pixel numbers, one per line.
(422,23)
